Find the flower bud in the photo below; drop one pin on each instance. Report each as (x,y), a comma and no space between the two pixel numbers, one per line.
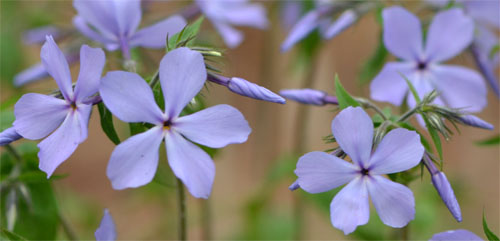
(305,96)
(9,135)
(475,121)
(295,185)
(246,88)
(445,190)
(31,74)
(344,21)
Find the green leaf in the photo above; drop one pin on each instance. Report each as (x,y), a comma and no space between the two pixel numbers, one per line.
(435,137)
(185,36)
(495,140)
(374,64)
(494,50)
(107,123)
(412,89)
(10,235)
(345,100)
(136,128)
(489,234)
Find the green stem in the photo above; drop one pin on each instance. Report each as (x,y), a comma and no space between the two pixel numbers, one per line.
(372,106)
(70,233)
(407,115)
(13,152)
(182,210)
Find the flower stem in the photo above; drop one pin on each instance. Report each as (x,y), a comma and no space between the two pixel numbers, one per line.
(407,115)
(68,230)
(182,210)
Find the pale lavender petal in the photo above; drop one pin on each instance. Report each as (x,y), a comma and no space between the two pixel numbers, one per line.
(59,146)
(100,15)
(38,115)
(37,35)
(475,121)
(107,229)
(182,75)
(190,164)
(450,32)
(133,162)
(389,85)
(91,64)
(253,15)
(243,87)
(446,193)
(402,33)
(155,36)
(350,207)
(394,202)
(128,15)
(456,235)
(111,43)
(231,36)
(9,135)
(305,96)
(398,151)
(290,13)
(301,29)
(460,87)
(84,110)
(214,127)
(423,83)
(31,74)
(129,98)
(344,21)
(56,65)
(353,131)
(484,12)
(486,66)
(320,172)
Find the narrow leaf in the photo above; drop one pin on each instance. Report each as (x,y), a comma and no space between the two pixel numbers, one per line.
(344,98)
(412,89)
(185,37)
(435,137)
(11,236)
(495,140)
(489,234)
(107,123)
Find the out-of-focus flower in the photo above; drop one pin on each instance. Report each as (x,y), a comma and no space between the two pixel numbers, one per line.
(9,135)
(449,33)
(290,12)
(225,14)
(107,229)
(37,35)
(133,163)
(398,151)
(309,96)
(114,23)
(67,119)
(456,235)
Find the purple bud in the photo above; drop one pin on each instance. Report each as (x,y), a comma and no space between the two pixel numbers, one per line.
(305,96)
(475,121)
(37,35)
(295,185)
(246,88)
(30,74)
(444,189)
(345,20)
(9,135)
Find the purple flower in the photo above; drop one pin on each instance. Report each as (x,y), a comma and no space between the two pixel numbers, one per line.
(449,33)
(107,229)
(309,96)
(226,13)
(37,35)
(39,115)
(475,121)
(133,163)
(290,12)
(8,135)
(398,151)
(114,24)
(456,235)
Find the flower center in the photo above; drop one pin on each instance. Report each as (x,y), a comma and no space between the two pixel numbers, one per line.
(166,125)
(365,172)
(73,105)
(422,65)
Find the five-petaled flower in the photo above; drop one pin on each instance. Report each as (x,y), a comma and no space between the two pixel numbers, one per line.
(38,115)
(398,151)
(182,75)
(116,22)
(449,33)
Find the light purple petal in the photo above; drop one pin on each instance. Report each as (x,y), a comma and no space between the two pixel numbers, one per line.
(423,83)
(353,131)
(394,202)
(231,36)
(182,75)
(290,13)
(31,74)
(37,35)
(59,146)
(350,207)
(402,33)
(190,164)
(456,235)
(320,172)
(460,87)
(91,64)
(55,63)
(128,15)
(84,110)
(344,21)
(301,29)
(107,229)
(9,135)
(450,32)
(155,36)
(133,162)
(389,85)
(129,98)
(214,127)
(446,193)
(252,15)
(484,12)
(80,24)
(38,115)
(100,15)
(399,151)
(246,88)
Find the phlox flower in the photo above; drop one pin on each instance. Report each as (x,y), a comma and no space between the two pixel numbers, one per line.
(398,151)
(133,163)
(115,22)
(224,14)
(449,33)
(39,115)
(456,235)
(107,229)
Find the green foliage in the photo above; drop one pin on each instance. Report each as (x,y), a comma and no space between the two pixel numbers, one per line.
(489,234)
(435,137)
(494,50)
(184,37)
(107,123)
(344,98)
(494,140)
(412,89)
(375,63)
(10,235)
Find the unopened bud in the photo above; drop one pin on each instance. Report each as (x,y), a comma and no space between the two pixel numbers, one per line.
(294,186)
(344,21)
(475,121)
(309,96)
(249,89)
(9,135)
